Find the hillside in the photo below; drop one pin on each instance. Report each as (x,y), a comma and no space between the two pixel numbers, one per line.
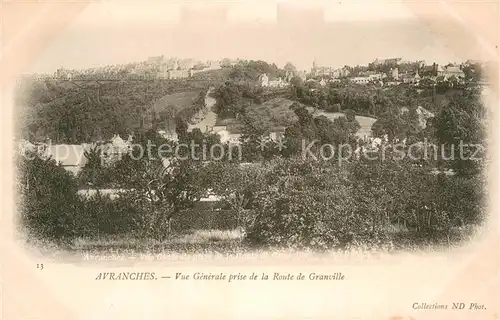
(183,104)
(175,102)
(91,111)
(213,76)
(272,113)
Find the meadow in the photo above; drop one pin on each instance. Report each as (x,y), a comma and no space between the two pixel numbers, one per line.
(176,101)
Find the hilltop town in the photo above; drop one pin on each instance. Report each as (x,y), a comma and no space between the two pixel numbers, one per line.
(259,155)
(391,71)
(188,76)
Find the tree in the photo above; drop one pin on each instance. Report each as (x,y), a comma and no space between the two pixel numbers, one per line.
(463,121)
(350,115)
(181,127)
(79,113)
(473,72)
(307,205)
(230,101)
(296,82)
(290,67)
(161,186)
(94,173)
(164,191)
(389,123)
(239,187)
(225,63)
(48,198)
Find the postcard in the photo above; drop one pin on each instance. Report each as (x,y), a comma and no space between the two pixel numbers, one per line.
(249,160)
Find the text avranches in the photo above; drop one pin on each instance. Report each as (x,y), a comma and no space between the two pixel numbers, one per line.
(126,276)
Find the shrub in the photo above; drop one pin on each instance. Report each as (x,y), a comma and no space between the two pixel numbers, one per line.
(361,203)
(308,206)
(102,216)
(48,200)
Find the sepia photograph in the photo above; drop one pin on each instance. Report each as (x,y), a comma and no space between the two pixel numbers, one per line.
(169,132)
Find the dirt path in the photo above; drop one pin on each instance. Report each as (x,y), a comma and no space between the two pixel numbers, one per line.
(208,121)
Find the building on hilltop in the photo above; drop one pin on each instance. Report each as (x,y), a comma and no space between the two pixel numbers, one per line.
(321,71)
(452,71)
(394,61)
(265,81)
(394,73)
(344,72)
(436,70)
(411,78)
(213,65)
(178,74)
(155,60)
(360,80)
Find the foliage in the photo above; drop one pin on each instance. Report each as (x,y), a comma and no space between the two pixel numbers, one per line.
(250,70)
(233,98)
(99,216)
(238,186)
(305,206)
(161,187)
(48,200)
(182,105)
(320,205)
(94,173)
(463,121)
(283,200)
(321,129)
(75,113)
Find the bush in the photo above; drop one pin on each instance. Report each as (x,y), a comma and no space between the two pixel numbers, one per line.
(102,216)
(361,204)
(48,199)
(308,206)
(50,208)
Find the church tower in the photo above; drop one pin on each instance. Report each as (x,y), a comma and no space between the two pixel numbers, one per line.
(314,67)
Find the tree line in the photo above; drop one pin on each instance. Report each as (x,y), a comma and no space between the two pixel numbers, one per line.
(76,113)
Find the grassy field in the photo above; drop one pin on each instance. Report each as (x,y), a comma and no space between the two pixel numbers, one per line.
(198,241)
(176,101)
(230,244)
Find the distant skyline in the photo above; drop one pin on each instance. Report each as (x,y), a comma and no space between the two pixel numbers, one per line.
(348,34)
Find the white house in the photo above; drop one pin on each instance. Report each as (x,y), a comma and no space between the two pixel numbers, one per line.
(360,80)
(228,137)
(264,80)
(278,83)
(116,148)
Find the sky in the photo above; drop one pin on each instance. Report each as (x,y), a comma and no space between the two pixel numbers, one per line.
(336,34)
